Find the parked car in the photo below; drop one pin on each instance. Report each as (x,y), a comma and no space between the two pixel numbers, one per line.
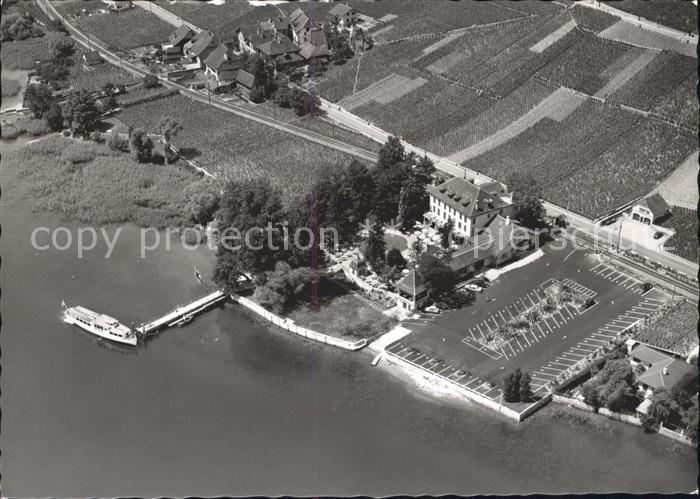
(473,287)
(432,309)
(658,235)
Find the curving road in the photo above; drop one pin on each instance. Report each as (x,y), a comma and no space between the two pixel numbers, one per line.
(113,58)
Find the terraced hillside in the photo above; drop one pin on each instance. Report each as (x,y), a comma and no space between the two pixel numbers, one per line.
(599,122)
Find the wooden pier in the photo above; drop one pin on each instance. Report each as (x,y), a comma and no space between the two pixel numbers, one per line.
(182,314)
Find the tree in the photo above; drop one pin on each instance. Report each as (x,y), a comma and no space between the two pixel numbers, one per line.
(394,258)
(446,233)
(252,238)
(375,253)
(527,199)
(169,127)
(62,46)
(282,96)
(590,394)
(391,153)
(80,112)
(339,43)
(413,202)
(38,98)
(690,422)
(283,288)
(53,73)
(264,78)
(150,81)
(108,88)
(54,117)
(204,197)
(19,27)
(141,146)
(117,143)
(438,277)
(511,386)
(663,407)
(524,390)
(56,25)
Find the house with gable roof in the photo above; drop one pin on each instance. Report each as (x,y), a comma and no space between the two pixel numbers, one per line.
(343,16)
(468,206)
(200,46)
(222,66)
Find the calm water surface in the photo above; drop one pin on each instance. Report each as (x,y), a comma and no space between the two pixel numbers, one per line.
(228,405)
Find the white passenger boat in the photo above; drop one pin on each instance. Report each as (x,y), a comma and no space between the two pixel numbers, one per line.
(99,324)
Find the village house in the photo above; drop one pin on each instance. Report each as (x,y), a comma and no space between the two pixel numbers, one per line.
(221,68)
(467,205)
(281,53)
(92,58)
(117,5)
(650,209)
(412,293)
(494,245)
(199,47)
(343,16)
(244,82)
(180,37)
(251,37)
(660,370)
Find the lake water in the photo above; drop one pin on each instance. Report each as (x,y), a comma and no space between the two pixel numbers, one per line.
(228,405)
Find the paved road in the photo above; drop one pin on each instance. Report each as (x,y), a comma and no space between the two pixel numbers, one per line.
(111,57)
(647,24)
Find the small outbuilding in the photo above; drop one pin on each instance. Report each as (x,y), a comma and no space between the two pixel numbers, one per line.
(650,209)
(92,58)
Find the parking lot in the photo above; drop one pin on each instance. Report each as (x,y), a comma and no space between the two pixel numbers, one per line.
(454,341)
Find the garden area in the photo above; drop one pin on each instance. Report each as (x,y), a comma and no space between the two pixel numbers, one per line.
(236,148)
(92,183)
(340,313)
(672,327)
(685,242)
(558,296)
(144,28)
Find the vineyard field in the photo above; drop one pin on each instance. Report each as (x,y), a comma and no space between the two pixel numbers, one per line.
(675,328)
(685,242)
(678,14)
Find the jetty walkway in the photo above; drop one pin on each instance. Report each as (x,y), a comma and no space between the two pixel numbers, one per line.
(182,314)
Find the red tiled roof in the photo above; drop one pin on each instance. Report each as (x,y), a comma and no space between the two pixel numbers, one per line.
(656,204)
(340,10)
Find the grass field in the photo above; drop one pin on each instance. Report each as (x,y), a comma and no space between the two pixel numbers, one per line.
(144,28)
(10,87)
(236,148)
(674,328)
(681,188)
(341,313)
(24,54)
(94,184)
(685,242)
(678,14)
(94,77)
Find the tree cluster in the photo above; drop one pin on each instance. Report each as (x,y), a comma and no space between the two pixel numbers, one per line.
(516,387)
(264,84)
(301,101)
(282,289)
(527,200)
(339,43)
(677,406)
(16,27)
(612,386)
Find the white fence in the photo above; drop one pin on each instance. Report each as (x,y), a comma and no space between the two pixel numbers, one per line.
(288,324)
